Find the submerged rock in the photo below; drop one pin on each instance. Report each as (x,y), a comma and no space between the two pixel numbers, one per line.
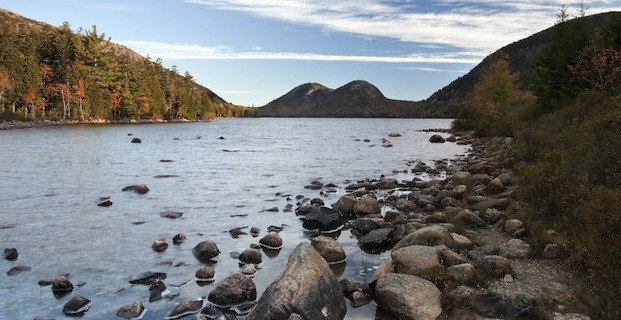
(206,251)
(271,241)
(205,274)
(170,214)
(139,188)
(307,285)
(10,254)
(62,285)
(234,290)
(77,306)
(186,308)
(136,140)
(17,269)
(323,219)
(147,277)
(134,310)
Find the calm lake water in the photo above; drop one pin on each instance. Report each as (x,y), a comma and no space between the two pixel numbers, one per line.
(51,180)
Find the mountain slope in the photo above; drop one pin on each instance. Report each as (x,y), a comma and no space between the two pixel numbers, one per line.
(49,72)
(355,99)
(450,99)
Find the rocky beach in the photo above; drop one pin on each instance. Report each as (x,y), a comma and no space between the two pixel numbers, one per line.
(458,250)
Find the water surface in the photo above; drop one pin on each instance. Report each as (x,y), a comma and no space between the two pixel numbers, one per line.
(51,180)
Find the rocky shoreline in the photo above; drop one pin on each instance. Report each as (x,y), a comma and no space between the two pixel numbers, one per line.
(12,125)
(458,251)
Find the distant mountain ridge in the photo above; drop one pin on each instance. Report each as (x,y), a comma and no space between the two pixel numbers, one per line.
(444,103)
(355,99)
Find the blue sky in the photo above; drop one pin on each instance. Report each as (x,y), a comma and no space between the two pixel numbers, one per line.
(253,51)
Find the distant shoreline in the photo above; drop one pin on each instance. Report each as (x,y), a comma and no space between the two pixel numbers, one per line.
(14,124)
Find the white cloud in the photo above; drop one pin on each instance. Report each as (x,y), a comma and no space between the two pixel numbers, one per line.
(190,51)
(468,24)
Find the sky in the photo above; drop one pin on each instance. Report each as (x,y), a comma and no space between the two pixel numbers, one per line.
(251,52)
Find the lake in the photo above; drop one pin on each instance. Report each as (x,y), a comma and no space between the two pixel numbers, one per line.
(51,180)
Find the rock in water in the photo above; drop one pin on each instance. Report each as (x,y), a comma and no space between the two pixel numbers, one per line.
(323,219)
(271,241)
(329,249)
(76,306)
(139,188)
(205,274)
(136,140)
(408,297)
(234,290)
(134,310)
(179,238)
(62,285)
(307,285)
(147,278)
(10,254)
(17,269)
(186,308)
(251,256)
(105,203)
(170,214)
(206,251)
(436,138)
(159,245)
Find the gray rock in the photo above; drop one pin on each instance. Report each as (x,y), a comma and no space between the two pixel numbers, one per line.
(494,267)
(233,290)
(77,306)
(147,277)
(139,188)
(459,192)
(367,205)
(436,138)
(417,260)
(427,236)
(365,225)
(553,251)
(10,254)
(170,214)
(271,241)
(500,204)
(462,242)
(17,270)
(206,251)
(497,305)
(62,285)
(515,249)
(134,310)
(330,249)
(468,218)
(376,241)
(448,256)
(205,274)
(513,225)
(408,297)
(252,256)
(357,291)
(384,268)
(464,273)
(185,308)
(462,177)
(307,286)
(159,245)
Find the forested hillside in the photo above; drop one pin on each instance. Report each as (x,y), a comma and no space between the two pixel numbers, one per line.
(49,72)
(567,158)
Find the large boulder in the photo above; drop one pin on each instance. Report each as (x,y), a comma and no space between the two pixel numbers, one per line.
(345,205)
(428,236)
(329,249)
(206,251)
(323,219)
(233,290)
(367,205)
(417,260)
(515,249)
(377,241)
(408,297)
(306,287)
(436,138)
(271,241)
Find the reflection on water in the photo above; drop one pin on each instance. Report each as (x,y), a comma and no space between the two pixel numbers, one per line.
(52,180)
